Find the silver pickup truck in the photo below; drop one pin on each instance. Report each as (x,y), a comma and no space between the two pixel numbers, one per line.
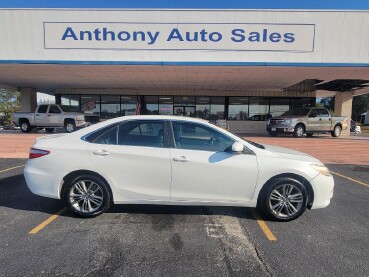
(50,117)
(307,121)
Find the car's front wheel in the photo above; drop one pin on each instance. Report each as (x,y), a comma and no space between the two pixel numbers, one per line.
(283,199)
(70,126)
(87,195)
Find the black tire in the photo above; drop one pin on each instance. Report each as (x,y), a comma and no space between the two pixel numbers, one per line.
(273,134)
(49,130)
(299,131)
(25,126)
(266,202)
(69,126)
(309,135)
(336,131)
(88,180)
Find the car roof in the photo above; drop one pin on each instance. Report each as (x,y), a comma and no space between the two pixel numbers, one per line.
(161,117)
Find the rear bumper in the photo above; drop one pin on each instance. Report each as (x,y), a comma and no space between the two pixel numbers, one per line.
(323,190)
(43,182)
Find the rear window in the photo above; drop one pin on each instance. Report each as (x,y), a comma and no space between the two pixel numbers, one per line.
(42,109)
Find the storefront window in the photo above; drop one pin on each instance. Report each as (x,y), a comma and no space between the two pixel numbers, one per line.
(279,106)
(202,107)
(259,109)
(152,104)
(217,108)
(90,104)
(128,105)
(238,108)
(301,102)
(166,105)
(70,100)
(110,106)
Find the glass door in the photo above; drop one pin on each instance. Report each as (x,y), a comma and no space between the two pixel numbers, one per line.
(184,111)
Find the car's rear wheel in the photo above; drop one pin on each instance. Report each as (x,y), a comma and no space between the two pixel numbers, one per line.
(283,199)
(25,127)
(87,195)
(49,130)
(336,131)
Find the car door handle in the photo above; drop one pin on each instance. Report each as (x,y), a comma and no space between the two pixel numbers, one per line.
(49,115)
(320,119)
(101,153)
(181,159)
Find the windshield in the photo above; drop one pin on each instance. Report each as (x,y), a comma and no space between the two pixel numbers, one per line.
(66,108)
(297,112)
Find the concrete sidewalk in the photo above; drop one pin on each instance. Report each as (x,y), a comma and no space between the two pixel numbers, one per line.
(343,150)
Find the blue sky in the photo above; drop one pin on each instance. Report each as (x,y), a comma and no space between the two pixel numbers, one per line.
(205,4)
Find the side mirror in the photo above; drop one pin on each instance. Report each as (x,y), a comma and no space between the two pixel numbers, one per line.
(237,147)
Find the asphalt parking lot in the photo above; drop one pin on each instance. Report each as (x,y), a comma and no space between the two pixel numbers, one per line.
(39,238)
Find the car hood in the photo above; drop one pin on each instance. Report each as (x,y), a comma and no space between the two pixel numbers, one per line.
(290,153)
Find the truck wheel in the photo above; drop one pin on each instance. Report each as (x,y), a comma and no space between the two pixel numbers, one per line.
(336,131)
(309,134)
(70,126)
(299,131)
(273,134)
(49,130)
(25,127)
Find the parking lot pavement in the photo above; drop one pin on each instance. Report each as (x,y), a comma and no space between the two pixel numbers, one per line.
(142,240)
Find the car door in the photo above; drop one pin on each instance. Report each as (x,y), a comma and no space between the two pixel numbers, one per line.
(313,121)
(205,170)
(41,118)
(54,116)
(135,157)
(324,120)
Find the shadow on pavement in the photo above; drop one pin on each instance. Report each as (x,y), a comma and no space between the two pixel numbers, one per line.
(15,194)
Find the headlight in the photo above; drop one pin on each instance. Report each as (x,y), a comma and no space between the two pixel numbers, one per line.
(80,117)
(321,169)
(287,122)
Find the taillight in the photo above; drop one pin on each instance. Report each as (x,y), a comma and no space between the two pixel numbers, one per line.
(37,153)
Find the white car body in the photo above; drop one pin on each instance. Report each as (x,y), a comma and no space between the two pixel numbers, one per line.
(150,175)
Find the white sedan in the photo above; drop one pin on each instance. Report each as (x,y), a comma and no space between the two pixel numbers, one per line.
(174,161)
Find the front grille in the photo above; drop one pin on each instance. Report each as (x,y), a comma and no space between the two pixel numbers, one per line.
(276,121)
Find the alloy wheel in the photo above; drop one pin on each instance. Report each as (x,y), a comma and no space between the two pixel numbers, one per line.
(70,127)
(285,201)
(86,196)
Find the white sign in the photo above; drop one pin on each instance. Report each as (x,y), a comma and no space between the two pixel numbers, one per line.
(179,36)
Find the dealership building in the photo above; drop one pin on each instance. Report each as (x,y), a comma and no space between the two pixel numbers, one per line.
(242,65)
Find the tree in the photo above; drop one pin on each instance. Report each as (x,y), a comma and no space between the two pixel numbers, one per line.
(327,102)
(9,103)
(360,104)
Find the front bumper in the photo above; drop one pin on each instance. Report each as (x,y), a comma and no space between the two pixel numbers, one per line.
(323,190)
(81,123)
(280,129)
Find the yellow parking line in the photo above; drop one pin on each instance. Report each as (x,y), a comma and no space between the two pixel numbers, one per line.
(47,222)
(264,227)
(8,169)
(351,179)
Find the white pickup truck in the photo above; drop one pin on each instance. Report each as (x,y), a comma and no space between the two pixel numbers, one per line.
(51,117)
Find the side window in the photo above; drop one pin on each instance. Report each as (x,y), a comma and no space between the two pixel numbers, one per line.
(194,136)
(106,135)
(54,109)
(42,109)
(323,113)
(313,113)
(141,133)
